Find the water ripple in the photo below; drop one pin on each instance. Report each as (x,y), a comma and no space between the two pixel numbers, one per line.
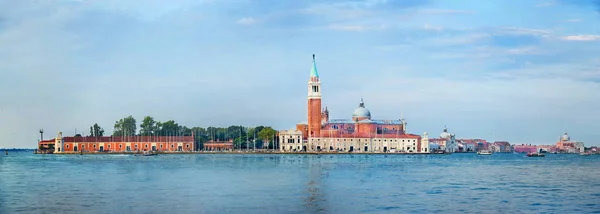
(457,183)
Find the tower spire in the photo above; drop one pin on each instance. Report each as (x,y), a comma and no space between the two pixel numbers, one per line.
(313,70)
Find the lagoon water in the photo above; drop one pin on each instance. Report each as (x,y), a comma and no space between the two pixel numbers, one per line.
(456,183)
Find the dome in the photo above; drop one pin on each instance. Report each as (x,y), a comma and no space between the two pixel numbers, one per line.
(445,134)
(361,111)
(565,137)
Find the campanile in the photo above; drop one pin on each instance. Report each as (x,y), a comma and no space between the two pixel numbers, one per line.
(314,101)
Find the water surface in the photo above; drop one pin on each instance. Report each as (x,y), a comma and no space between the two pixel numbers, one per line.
(456,183)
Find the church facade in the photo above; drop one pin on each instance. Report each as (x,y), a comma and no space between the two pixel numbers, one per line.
(361,133)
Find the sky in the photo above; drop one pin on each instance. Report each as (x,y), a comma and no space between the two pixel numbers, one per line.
(518,71)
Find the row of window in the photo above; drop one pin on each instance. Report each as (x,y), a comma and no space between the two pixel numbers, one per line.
(365,140)
(121,146)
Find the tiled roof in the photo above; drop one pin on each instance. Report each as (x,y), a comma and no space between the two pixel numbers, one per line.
(46,141)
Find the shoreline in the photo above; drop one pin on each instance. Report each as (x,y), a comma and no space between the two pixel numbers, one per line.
(244,153)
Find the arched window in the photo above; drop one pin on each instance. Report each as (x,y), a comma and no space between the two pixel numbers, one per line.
(94,146)
(135,146)
(109,146)
(161,146)
(67,146)
(172,145)
(146,146)
(120,146)
(187,146)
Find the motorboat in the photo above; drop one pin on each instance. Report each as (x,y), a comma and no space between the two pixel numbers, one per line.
(148,153)
(535,154)
(439,151)
(585,153)
(484,152)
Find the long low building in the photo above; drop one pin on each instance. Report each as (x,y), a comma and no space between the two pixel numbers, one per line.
(118,144)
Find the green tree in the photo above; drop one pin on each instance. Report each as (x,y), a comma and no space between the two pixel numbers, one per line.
(125,127)
(266,134)
(169,128)
(96,130)
(148,127)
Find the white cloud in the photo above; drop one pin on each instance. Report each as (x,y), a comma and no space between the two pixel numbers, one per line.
(427,26)
(581,38)
(444,12)
(522,50)
(523,31)
(355,27)
(347,27)
(573,20)
(247,21)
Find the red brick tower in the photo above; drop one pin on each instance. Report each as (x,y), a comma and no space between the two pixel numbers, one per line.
(314,102)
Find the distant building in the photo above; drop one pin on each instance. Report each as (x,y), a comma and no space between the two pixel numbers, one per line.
(359,134)
(525,148)
(212,145)
(446,142)
(119,144)
(467,147)
(501,146)
(565,145)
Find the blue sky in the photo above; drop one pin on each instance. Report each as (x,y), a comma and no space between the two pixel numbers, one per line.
(521,71)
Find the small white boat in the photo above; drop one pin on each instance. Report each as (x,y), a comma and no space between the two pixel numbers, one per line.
(148,153)
(484,152)
(585,153)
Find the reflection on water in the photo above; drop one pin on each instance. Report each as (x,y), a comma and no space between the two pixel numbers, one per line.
(315,202)
(457,183)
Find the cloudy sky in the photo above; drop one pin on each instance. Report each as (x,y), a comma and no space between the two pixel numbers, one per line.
(521,71)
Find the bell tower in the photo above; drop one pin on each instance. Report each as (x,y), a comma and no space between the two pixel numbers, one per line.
(314,102)
(58,143)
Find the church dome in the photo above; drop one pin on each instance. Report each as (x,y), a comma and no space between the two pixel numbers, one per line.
(565,137)
(445,134)
(361,112)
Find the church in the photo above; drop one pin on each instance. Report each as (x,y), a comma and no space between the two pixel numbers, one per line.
(360,134)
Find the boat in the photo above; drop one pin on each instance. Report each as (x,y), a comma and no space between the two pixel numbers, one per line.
(147,153)
(585,153)
(535,154)
(484,152)
(6,151)
(439,151)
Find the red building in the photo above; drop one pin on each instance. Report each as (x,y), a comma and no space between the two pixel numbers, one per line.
(218,145)
(120,144)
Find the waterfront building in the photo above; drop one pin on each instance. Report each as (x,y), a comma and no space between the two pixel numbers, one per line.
(565,144)
(361,133)
(446,142)
(466,146)
(291,140)
(501,146)
(213,145)
(525,148)
(119,144)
